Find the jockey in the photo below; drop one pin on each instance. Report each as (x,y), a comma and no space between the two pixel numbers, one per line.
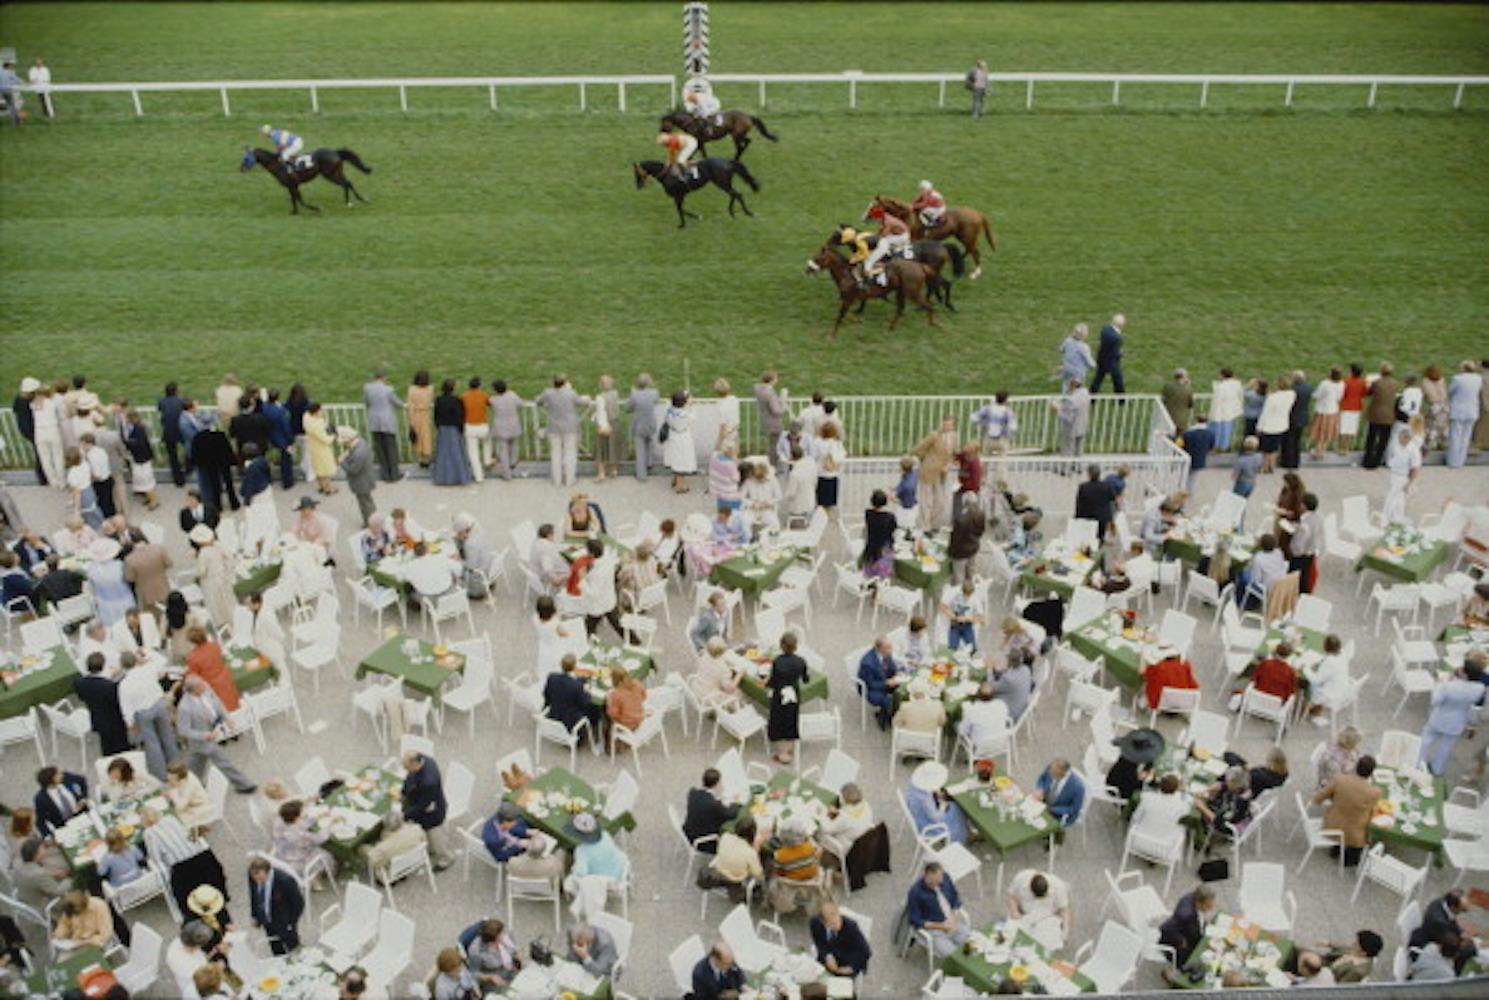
(697,96)
(679,146)
(930,205)
(894,235)
(286,144)
(851,237)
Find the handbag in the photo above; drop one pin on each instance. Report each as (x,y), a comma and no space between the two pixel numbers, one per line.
(664,432)
(1214,870)
(539,951)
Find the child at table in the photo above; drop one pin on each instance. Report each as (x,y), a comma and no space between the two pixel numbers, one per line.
(961,611)
(124,861)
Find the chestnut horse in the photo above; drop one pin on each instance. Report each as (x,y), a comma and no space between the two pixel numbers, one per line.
(966,224)
(932,253)
(734,125)
(903,277)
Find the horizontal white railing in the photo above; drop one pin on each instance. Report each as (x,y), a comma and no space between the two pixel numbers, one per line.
(851,79)
(402,84)
(875,426)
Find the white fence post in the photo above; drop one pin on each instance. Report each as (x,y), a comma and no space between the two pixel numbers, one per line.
(315,101)
(852,93)
(1029,95)
(493,97)
(226,111)
(582,105)
(1457,96)
(622,91)
(1289,100)
(403,97)
(1116,91)
(1371,102)
(762,94)
(136,95)
(940,97)
(1204,93)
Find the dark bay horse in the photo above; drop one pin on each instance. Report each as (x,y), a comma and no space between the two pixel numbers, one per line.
(713,170)
(327,163)
(734,125)
(905,278)
(933,253)
(966,224)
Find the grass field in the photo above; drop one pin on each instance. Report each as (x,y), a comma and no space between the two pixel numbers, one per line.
(514,243)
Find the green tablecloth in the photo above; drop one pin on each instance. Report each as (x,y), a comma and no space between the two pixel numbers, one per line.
(1188,551)
(1209,951)
(814,687)
(748,574)
(557,779)
(1004,834)
(973,671)
(110,814)
(376,800)
(607,655)
(1058,578)
(54,978)
(571,547)
(260,579)
(46,686)
(427,677)
(780,783)
(1411,567)
(909,570)
(1311,640)
(1425,837)
(984,976)
(1124,664)
(248,680)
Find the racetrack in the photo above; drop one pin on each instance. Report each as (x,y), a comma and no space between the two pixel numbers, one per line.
(514,243)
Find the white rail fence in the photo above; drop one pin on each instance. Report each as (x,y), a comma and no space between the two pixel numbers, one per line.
(875,427)
(491,84)
(850,80)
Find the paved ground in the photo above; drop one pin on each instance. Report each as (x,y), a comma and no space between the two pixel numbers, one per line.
(663,910)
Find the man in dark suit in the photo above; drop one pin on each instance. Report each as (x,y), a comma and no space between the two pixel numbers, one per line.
(169,406)
(60,796)
(1442,913)
(1297,422)
(101,695)
(195,512)
(281,436)
(31,548)
(257,476)
(26,422)
(424,804)
(564,695)
(15,583)
(1184,928)
(250,426)
(880,676)
(1094,499)
(716,974)
(706,811)
(1109,355)
(57,584)
(276,902)
(214,458)
(840,943)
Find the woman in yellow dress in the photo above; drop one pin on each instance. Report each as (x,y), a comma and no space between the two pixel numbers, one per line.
(321,443)
(421,418)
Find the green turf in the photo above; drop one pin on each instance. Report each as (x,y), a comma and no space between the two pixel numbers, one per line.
(514,243)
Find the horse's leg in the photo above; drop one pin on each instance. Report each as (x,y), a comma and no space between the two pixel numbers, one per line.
(294,198)
(973,253)
(741,143)
(843,305)
(682,216)
(899,307)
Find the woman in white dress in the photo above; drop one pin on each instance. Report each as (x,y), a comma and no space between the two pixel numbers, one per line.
(553,637)
(1226,398)
(112,595)
(728,405)
(49,448)
(80,486)
(1271,425)
(214,572)
(1328,680)
(678,453)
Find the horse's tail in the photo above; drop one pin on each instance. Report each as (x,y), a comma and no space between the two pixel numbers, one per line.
(763,130)
(958,259)
(987,228)
(744,171)
(354,160)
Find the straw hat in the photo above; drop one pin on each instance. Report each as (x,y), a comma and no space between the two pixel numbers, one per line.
(206,901)
(346,433)
(29,384)
(202,535)
(930,776)
(104,549)
(87,400)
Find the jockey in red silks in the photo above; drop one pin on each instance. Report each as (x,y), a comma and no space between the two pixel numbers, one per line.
(930,205)
(679,146)
(894,235)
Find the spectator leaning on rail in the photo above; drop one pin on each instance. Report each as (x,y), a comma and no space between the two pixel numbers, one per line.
(977,83)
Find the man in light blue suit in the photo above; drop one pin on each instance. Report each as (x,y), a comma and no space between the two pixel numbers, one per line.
(1463,411)
(1062,791)
(383,404)
(1453,703)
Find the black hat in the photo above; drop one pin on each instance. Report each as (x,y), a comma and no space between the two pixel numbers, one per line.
(1140,746)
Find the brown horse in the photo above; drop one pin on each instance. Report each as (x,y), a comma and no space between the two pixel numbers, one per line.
(327,163)
(903,278)
(734,125)
(966,224)
(932,253)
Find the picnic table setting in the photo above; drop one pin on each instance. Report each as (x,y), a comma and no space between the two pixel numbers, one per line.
(788,973)
(1403,553)
(353,813)
(1002,812)
(1410,811)
(786,796)
(1006,951)
(423,666)
(563,979)
(594,666)
(305,975)
(87,969)
(33,679)
(552,799)
(920,560)
(1457,643)
(754,568)
(250,668)
(81,838)
(1236,945)
(757,659)
(1122,641)
(255,573)
(1058,569)
(952,676)
(1191,540)
(573,546)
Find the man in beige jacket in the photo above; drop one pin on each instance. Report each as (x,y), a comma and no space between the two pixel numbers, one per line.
(936,452)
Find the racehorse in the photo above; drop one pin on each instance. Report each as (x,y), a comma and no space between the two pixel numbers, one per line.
(966,224)
(713,170)
(327,163)
(735,125)
(932,253)
(903,277)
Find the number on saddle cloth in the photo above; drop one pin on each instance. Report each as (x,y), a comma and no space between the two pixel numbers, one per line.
(304,161)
